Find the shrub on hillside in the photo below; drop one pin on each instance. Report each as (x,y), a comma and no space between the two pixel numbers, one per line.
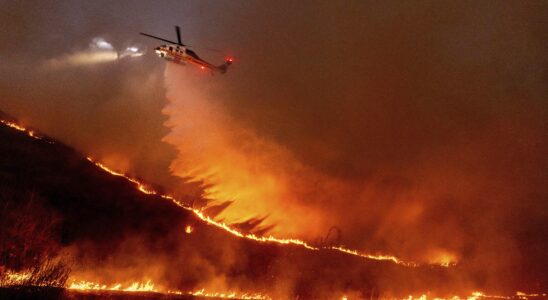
(28,241)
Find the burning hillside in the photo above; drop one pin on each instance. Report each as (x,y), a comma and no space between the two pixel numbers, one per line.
(90,228)
(354,149)
(110,227)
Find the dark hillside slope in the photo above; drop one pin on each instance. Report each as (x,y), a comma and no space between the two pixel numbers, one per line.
(93,206)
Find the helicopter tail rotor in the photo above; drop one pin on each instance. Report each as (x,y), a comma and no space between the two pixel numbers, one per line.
(224,67)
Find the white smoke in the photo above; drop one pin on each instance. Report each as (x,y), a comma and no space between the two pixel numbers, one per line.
(132,51)
(100,43)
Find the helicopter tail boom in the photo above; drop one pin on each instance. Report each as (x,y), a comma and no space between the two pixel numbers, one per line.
(224,67)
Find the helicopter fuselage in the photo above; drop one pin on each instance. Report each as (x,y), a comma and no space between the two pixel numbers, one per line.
(179,53)
(182,55)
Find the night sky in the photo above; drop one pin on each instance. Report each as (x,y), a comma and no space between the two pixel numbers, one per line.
(417,128)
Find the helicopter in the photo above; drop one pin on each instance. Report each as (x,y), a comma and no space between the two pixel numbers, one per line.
(179,53)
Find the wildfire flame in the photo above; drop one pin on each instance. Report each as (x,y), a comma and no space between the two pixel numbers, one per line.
(265,239)
(147,286)
(522,295)
(478,295)
(228,295)
(18,127)
(10,278)
(144,188)
(149,191)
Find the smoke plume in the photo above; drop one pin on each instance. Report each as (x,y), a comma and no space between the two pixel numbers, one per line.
(426,142)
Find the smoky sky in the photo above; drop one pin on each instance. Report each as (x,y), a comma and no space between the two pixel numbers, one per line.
(431,115)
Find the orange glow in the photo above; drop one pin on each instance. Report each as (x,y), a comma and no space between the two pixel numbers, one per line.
(18,127)
(442,257)
(377,257)
(479,295)
(260,177)
(10,278)
(228,295)
(473,296)
(144,188)
(148,286)
(522,295)
(234,164)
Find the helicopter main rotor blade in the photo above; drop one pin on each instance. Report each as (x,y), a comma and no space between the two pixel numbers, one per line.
(205,48)
(178,30)
(159,38)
